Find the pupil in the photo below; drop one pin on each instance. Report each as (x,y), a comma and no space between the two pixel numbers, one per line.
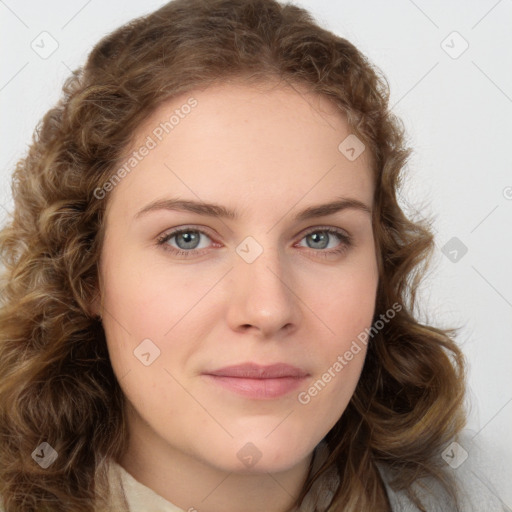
(319,238)
(190,239)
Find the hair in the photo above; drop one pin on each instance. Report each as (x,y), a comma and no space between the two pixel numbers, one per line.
(56,381)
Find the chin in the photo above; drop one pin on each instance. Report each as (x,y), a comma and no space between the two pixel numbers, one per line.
(260,454)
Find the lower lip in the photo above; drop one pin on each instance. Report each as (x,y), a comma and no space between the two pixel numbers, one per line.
(258,388)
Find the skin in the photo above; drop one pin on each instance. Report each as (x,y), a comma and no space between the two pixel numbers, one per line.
(268,151)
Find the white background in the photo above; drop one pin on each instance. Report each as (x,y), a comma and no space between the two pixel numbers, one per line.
(458,114)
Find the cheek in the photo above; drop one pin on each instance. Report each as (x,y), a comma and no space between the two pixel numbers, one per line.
(150,322)
(149,300)
(344,301)
(346,308)
(326,397)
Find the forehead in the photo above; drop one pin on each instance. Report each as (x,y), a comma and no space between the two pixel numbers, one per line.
(236,141)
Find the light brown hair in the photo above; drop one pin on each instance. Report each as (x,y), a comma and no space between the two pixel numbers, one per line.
(56,381)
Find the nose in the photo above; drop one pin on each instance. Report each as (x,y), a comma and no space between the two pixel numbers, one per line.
(262,297)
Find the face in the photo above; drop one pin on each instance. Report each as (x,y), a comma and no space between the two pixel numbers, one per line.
(227,324)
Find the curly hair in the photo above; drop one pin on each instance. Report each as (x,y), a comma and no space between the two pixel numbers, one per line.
(56,381)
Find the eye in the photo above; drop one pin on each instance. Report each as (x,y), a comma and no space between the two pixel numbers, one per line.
(186,241)
(333,239)
(191,241)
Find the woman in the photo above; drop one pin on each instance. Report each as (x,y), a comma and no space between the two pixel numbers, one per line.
(209,284)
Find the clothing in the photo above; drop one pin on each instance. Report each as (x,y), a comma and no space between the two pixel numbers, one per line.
(127,491)
(477,494)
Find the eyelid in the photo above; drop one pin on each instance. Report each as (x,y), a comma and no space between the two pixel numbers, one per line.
(331,229)
(204,230)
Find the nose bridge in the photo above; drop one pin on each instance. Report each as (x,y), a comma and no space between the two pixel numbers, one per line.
(264,268)
(262,287)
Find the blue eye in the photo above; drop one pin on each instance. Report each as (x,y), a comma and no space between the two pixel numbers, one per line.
(320,239)
(187,241)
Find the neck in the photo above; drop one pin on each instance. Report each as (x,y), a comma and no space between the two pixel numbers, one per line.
(193,485)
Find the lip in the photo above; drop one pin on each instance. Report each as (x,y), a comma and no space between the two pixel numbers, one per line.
(258,381)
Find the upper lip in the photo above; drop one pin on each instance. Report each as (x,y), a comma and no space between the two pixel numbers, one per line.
(256,371)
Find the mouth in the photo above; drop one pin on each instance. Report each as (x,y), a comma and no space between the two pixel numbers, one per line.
(258,382)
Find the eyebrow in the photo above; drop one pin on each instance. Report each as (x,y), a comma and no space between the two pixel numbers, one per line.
(215,210)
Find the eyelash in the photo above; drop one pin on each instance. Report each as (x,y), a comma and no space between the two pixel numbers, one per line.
(345,239)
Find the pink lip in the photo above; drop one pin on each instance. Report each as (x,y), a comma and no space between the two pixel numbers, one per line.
(259,382)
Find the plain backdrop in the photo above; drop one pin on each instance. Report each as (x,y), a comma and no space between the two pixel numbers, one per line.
(449,67)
